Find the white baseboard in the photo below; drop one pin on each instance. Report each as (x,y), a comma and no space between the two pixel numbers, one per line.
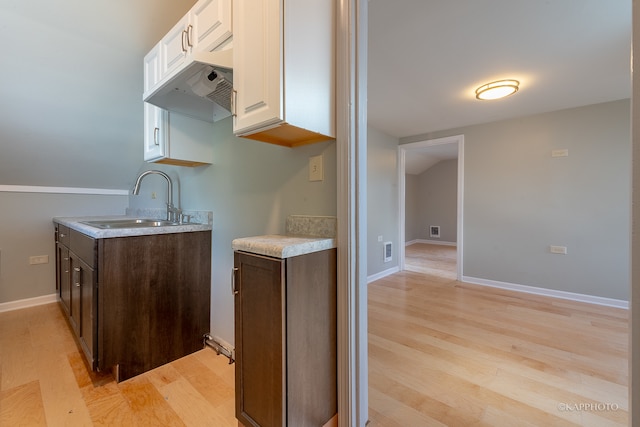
(430,242)
(610,302)
(382,274)
(29,302)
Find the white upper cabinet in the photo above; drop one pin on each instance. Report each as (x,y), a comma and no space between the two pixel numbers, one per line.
(210,24)
(174,47)
(152,68)
(174,139)
(156,121)
(171,138)
(203,29)
(284,70)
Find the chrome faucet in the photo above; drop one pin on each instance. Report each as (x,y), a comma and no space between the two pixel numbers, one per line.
(173,213)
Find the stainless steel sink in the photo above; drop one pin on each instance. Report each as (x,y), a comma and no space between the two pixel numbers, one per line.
(130,223)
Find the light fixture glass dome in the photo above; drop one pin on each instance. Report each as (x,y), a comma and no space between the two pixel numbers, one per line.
(498,89)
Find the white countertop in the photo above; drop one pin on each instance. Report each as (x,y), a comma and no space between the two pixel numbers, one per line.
(75,223)
(283,246)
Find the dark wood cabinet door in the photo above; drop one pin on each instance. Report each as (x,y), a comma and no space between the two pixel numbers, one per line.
(64,277)
(74,289)
(154,299)
(87,279)
(259,336)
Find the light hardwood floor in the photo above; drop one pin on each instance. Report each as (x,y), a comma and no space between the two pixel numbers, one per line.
(442,352)
(45,382)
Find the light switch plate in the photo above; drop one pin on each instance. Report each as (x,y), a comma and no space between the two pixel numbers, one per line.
(316,171)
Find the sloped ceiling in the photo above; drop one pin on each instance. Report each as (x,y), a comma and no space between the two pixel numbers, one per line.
(71,88)
(71,77)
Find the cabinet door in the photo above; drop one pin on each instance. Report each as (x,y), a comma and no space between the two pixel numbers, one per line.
(210,24)
(74,289)
(151,69)
(155,132)
(259,336)
(174,48)
(85,282)
(64,278)
(257,58)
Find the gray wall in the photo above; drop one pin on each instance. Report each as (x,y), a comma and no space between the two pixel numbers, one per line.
(382,199)
(26,230)
(519,200)
(437,199)
(71,112)
(251,188)
(81,126)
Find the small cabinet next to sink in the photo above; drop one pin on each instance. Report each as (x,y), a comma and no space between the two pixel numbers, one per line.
(135,302)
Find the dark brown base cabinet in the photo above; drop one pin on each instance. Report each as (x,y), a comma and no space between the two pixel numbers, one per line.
(138,302)
(285,334)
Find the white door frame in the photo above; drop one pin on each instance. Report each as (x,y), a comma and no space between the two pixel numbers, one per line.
(351,117)
(402,153)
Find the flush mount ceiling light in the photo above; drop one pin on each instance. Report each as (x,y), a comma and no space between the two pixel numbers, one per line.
(498,89)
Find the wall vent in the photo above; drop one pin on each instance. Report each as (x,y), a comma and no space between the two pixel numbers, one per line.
(387,251)
(434,231)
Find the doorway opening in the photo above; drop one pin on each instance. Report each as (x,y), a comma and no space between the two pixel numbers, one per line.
(432,150)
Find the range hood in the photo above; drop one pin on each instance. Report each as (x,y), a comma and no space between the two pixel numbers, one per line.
(200,89)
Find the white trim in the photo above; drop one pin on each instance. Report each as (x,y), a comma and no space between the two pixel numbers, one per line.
(591,299)
(351,130)
(61,190)
(28,302)
(430,242)
(385,273)
(402,152)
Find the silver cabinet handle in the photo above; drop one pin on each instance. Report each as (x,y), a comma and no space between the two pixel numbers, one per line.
(184,34)
(234,291)
(155,136)
(234,96)
(77,270)
(189,34)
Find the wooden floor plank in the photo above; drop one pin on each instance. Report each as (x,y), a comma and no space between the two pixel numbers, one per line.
(147,402)
(46,381)
(22,406)
(464,354)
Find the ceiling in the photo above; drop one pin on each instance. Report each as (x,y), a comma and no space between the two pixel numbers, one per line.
(427,57)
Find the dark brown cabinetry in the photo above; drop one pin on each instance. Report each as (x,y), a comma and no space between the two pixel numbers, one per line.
(136,302)
(76,282)
(285,334)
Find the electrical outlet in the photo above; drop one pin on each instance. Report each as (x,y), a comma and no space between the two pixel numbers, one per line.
(379,238)
(154,195)
(558,250)
(39,259)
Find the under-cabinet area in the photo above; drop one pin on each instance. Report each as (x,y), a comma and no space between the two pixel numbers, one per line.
(134,301)
(285,331)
